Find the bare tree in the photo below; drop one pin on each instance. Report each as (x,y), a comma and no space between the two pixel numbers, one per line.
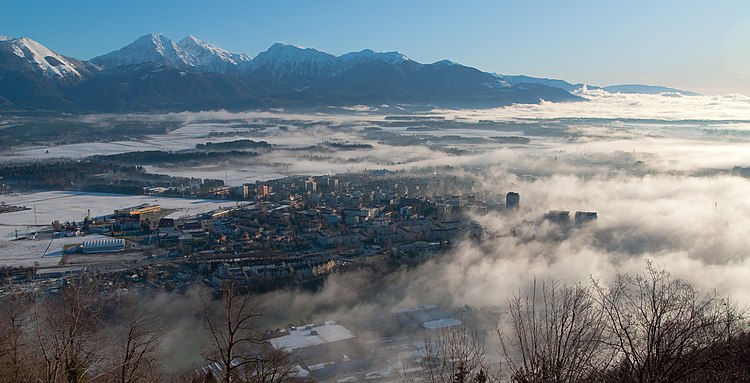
(134,356)
(14,322)
(663,329)
(232,331)
(453,355)
(62,327)
(555,337)
(270,366)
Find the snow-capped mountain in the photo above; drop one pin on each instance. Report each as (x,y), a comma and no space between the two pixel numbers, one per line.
(30,54)
(282,60)
(151,48)
(208,58)
(189,54)
(155,73)
(33,76)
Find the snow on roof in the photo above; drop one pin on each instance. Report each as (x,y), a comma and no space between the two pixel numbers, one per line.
(441,323)
(308,336)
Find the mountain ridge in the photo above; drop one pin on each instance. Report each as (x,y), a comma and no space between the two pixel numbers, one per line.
(156,73)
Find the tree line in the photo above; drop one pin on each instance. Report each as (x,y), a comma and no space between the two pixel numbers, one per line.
(648,328)
(85,333)
(158,157)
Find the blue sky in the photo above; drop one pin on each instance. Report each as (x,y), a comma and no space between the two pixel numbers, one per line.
(695,45)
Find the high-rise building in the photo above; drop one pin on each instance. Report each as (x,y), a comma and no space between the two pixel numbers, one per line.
(245,191)
(311,185)
(585,216)
(263,190)
(512,200)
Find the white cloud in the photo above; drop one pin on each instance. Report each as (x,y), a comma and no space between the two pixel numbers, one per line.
(602,104)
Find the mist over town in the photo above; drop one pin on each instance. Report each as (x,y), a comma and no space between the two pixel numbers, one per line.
(173,211)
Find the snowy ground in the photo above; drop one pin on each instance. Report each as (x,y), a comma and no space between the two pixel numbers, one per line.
(71,206)
(232,175)
(184,138)
(38,252)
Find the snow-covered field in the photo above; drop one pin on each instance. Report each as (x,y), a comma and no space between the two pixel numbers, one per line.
(38,252)
(184,138)
(233,175)
(72,206)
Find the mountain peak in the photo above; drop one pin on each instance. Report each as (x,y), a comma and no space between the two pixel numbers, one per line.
(207,57)
(191,38)
(153,47)
(369,54)
(445,62)
(156,39)
(284,58)
(287,52)
(279,48)
(280,45)
(192,41)
(41,58)
(190,53)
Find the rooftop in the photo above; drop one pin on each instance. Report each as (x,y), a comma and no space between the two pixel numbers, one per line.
(311,335)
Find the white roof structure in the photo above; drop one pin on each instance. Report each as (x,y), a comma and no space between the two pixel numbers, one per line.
(307,336)
(104,245)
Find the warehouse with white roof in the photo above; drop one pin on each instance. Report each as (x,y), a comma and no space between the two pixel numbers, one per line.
(109,245)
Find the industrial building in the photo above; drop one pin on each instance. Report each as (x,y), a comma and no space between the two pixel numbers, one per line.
(325,350)
(137,210)
(103,246)
(58,272)
(311,335)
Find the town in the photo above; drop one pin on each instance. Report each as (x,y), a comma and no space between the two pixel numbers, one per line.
(288,232)
(292,233)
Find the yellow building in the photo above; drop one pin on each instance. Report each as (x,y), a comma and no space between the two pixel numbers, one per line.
(137,210)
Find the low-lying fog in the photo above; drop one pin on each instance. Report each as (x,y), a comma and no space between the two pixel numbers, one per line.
(656,168)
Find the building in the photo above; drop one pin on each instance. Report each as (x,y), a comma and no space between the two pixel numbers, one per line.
(245,191)
(109,245)
(137,210)
(585,216)
(512,200)
(220,191)
(558,216)
(429,317)
(263,191)
(325,350)
(308,336)
(311,185)
(58,272)
(330,239)
(166,222)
